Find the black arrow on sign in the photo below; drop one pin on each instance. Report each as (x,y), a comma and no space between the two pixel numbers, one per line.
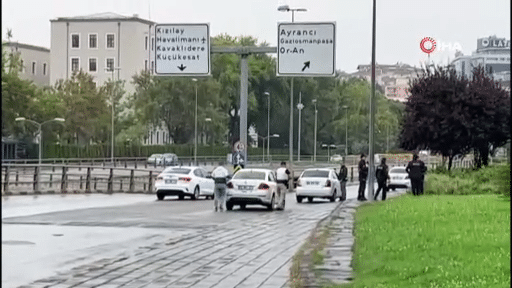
(182,67)
(306,65)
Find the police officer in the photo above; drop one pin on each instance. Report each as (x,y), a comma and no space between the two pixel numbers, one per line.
(343,177)
(382,175)
(363,174)
(283,175)
(220,175)
(416,169)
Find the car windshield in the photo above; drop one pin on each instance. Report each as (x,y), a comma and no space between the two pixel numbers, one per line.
(176,171)
(398,170)
(251,175)
(155,155)
(315,173)
(168,155)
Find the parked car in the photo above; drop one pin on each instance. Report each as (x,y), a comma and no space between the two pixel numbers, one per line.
(398,178)
(318,183)
(336,158)
(184,181)
(153,158)
(167,159)
(255,186)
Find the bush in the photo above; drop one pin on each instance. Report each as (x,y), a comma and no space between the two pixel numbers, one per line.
(488,180)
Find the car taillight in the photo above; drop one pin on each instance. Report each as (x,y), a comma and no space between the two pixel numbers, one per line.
(185,179)
(230,185)
(328,183)
(263,186)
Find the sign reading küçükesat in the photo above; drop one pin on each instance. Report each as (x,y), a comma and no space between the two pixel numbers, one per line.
(182,49)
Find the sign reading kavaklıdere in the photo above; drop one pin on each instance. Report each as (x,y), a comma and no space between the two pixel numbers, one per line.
(182,49)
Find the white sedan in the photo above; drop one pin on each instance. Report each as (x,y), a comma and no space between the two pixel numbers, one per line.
(255,186)
(184,181)
(398,178)
(318,183)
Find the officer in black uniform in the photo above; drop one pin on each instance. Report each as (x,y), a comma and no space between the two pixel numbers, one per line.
(416,169)
(382,175)
(363,174)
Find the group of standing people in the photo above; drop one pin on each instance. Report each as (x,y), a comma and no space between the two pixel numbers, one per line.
(415,168)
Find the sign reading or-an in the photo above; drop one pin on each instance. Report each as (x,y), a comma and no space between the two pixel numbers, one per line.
(182,49)
(306,49)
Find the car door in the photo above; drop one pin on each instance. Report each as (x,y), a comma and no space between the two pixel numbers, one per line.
(336,183)
(209,184)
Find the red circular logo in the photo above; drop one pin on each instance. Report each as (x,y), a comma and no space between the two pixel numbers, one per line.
(425,43)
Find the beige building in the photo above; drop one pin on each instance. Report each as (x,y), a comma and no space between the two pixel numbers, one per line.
(99,43)
(35,62)
(393,78)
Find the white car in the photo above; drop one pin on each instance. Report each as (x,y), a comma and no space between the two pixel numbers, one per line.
(336,158)
(255,186)
(398,178)
(153,158)
(184,181)
(318,183)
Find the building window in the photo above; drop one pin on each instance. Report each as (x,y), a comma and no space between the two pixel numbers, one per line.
(75,64)
(75,41)
(152,43)
(93,41)
(157,137)
(109,64)
(163,137)
(146,65)
(110,41)
(151,138)
(33,68)
(152,66)
(93,64)
(21,66)
(44,69)
(146,43)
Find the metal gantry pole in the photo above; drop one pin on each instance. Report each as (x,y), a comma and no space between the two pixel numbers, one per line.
(291,123)
(372,113)
(268,128)
(195,133)
(244,83)
(299,106)
(112,136)
(314,147)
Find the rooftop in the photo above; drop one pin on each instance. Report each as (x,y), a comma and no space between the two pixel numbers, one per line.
(105,16)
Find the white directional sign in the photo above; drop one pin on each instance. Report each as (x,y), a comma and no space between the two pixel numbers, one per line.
(182,49)
(306,49)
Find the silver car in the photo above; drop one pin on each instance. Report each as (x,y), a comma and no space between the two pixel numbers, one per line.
(255,186)
(398,178)
(318,183)
(153,158)
(167,159)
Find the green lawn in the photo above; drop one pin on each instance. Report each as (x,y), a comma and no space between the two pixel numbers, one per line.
(433,241)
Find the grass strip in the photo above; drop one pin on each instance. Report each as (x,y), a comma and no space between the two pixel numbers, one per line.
(433,241)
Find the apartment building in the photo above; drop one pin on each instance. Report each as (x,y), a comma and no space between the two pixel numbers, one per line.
(104,45)
(35,61)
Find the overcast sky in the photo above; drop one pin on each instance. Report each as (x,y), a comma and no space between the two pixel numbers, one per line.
(401,24)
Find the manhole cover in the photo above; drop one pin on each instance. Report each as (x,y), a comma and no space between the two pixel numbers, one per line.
(17,242)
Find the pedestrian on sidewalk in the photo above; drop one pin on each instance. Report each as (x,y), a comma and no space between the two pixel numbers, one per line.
(416,170)
(363,175)
(220,175)
(382,175)
(283,175)
(343,178)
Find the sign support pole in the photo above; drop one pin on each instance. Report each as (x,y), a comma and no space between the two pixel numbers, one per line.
(244,84)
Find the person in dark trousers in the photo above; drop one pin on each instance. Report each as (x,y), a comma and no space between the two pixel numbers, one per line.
(416,170)
(343,177)
(363,174)
(382,175)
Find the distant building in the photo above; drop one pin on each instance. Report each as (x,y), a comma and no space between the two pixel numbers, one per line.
(99,43)
(393,78)
(493,54)
(35,62)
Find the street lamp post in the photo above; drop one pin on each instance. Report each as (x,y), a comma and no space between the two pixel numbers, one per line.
(286,8)
(112,69)
(268,146)
(195,128)
(268,129)
(314,146)
(39,131)
(346,129)
(207,120)
(299,106)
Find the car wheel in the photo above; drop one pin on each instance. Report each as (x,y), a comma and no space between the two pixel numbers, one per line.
(393,189)
(310,199)
(181,197)
(333,197)
(270,206)
(242,206)
(196,193)
(229,206)
(299,199)
(160,196)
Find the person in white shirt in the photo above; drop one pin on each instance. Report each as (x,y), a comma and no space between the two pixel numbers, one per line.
(220,176)
(283,174)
